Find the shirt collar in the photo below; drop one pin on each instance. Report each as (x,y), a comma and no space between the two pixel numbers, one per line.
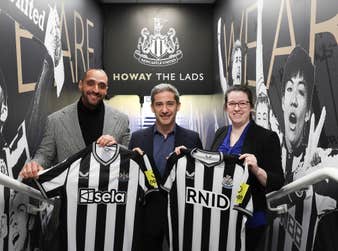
(155,131)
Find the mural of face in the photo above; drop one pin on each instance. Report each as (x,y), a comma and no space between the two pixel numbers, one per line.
(262,115)
(53,36)
(165,108)
(94,88)
(237,66)
(19,223)
(296,110)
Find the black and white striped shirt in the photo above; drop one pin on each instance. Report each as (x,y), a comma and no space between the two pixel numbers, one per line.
(204,189)
(101,189)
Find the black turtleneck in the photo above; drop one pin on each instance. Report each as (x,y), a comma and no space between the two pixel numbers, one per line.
(91,121)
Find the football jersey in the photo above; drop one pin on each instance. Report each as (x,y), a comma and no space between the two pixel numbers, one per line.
(12,157)
(209,200)
(295,230)
(101,190)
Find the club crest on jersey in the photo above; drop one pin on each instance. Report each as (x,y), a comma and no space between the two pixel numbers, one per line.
(227,182)
(91,196)
(207,198)
(158,49)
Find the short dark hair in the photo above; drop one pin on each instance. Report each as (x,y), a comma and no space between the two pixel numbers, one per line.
(92,69)
(164,87)
(240,88)
(300,62)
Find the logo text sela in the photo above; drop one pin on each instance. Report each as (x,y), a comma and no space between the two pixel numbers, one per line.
(207,199)
(90,196)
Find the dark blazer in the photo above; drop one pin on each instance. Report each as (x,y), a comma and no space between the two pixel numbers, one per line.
(144,140)
(155,220)
(265,145)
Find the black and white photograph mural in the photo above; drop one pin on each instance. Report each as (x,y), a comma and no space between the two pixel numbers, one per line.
(284,50)
(40,65)
(293,45)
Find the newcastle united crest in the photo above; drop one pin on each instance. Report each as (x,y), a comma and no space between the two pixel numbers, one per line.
(158,49)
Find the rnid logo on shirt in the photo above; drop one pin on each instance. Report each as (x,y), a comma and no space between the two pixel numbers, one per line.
(207,199)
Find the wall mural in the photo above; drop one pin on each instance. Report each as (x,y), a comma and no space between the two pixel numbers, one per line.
(295,84)
(40,64)
(285,50)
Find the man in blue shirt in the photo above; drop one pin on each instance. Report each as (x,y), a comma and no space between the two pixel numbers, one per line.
(158,141)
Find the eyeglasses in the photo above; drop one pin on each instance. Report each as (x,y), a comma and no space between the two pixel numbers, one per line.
(241,104)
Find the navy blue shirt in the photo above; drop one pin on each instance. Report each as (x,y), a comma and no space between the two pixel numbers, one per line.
(236,149)
(162,147)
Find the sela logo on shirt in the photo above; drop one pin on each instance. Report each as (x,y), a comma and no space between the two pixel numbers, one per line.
(206,199)
(91,196)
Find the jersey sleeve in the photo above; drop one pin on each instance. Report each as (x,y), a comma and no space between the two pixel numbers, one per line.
(170,171)
(150,182)
(243,200)
(147,180)
(51,180)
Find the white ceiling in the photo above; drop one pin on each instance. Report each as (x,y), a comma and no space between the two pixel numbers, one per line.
(160,1)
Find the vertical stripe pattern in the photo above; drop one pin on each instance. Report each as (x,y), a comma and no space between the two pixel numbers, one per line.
(102,190)
(202,188)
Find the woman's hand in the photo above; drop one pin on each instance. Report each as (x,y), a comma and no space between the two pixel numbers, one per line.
(251,161)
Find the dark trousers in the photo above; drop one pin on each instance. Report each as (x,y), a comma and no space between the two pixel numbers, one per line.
(255,238)
(155,226)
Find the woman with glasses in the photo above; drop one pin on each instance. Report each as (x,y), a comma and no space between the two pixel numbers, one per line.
(260,149)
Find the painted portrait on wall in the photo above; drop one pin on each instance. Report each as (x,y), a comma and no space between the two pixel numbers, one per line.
(291,70)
